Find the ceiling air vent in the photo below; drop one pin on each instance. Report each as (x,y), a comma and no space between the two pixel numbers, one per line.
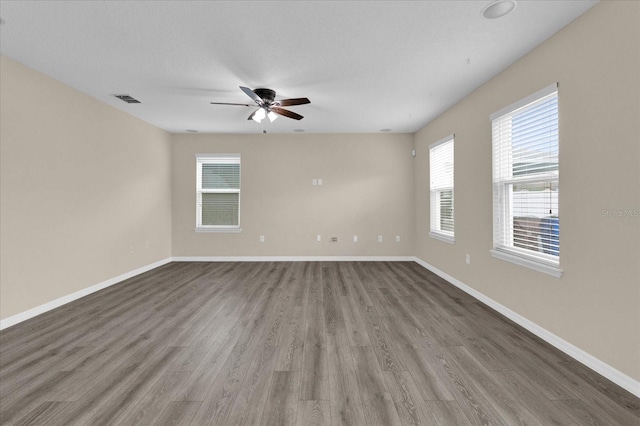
(128,99)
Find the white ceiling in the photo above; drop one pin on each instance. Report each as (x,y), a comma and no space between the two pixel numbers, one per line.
(365,65)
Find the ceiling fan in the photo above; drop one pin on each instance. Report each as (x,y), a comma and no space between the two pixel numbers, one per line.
(267,105)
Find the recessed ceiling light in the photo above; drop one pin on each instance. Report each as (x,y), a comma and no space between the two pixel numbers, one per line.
(385,130)
(498,9)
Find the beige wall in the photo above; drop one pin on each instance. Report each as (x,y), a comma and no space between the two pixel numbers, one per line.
(367,191)
(596,304)
(81,184)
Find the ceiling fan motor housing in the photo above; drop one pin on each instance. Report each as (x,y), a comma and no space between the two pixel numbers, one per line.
(267,95)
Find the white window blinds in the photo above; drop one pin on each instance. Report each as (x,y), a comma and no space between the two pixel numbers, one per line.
(217,192)
(525,178)
(441,189)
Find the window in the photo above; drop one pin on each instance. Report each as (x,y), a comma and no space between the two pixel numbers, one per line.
(526,219)
(441,187)
(218,192)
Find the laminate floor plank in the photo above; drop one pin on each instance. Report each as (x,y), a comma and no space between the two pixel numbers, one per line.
(221,397)
(476,408)
(434,329)
(132,391)
(314,385)
(359,289)
(282,403)
(43,414)
(14,405)
(354,323)
(406,398)
(501,399)
(331,297)
(582,414)
(313,413)
(383,344)
(155,400)
(615,395)
(197,386)
(445,413)
(346,405)
(343,276)
(379,408)
(430,377)
(178,413)
(528,396)
(219,400)
(292,343)
(290,351)
(252,398)
(371,282)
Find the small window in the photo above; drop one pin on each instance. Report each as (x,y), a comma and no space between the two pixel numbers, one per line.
(526,218)
(441,187)
(218,192)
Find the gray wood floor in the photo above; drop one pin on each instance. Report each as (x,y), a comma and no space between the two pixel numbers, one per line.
(299,343)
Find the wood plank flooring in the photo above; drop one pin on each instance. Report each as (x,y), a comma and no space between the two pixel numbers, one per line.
(292,343)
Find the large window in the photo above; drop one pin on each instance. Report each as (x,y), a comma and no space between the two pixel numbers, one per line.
(526,219)
(441,187)
(218,192)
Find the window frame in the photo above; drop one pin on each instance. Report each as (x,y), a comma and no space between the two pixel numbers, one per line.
(435,193)
(503,227)
(202,159)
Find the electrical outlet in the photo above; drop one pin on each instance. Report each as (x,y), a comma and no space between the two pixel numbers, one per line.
(262,238)
(314,182)
(318,238)
(355,238)
(319,182)
(397,238)
(468,259)
(380,238)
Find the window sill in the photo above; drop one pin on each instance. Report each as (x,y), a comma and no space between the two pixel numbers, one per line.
(220,230)
(442,237)
(552,270)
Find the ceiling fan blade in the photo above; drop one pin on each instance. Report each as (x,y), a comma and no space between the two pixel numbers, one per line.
(252,114)
(294,101)
(227,103)
(250,93)
(287,113)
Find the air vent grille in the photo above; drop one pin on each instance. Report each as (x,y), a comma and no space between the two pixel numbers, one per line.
(128,99)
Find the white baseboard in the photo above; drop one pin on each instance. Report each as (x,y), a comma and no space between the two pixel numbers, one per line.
(293,259)
(23,316)
(574,352)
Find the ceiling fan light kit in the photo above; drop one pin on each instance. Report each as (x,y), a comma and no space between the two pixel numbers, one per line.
(265,100)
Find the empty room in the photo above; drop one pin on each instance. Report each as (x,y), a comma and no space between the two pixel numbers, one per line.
(320,212)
